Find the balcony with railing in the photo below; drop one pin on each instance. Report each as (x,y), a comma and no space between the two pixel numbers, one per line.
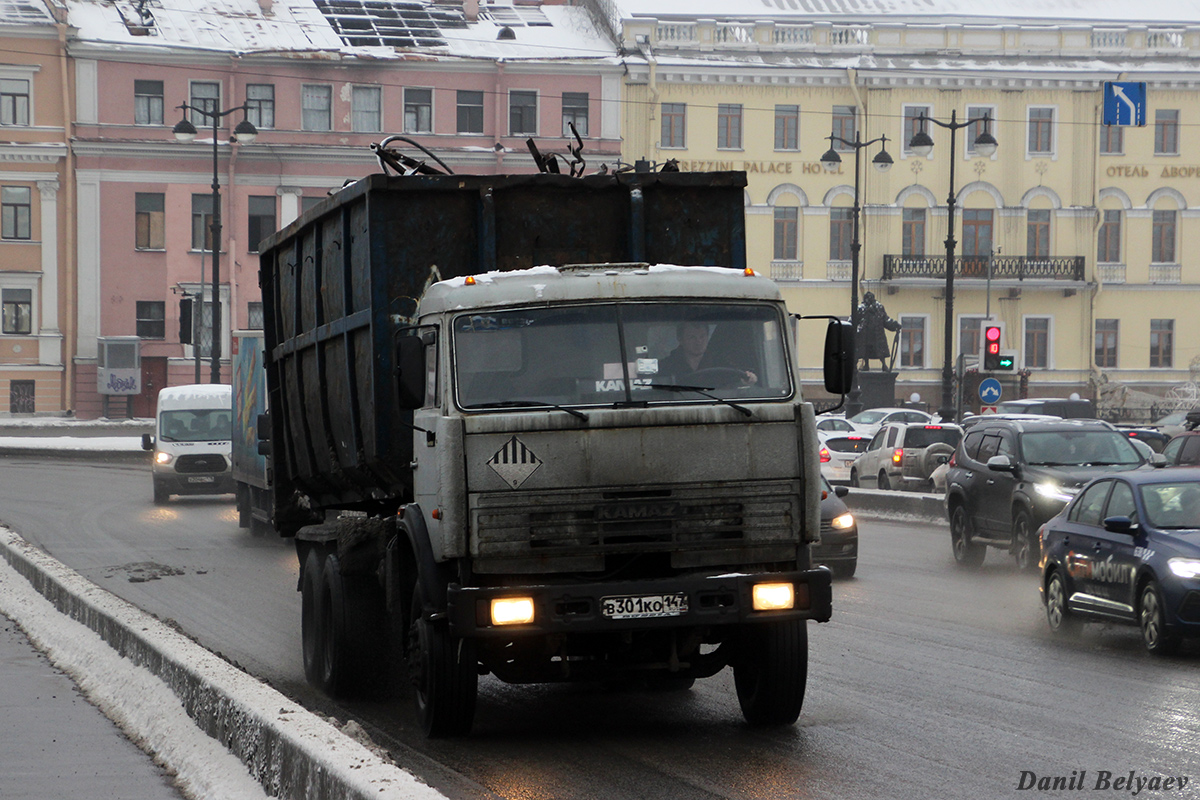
(1003,268)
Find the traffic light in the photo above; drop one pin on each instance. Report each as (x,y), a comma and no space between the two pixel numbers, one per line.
(185,319)
(991,348)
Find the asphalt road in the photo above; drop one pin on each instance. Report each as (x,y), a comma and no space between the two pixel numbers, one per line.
(930,682)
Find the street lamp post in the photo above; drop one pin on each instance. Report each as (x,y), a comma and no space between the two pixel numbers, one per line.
(882,162)
(922,145)
(245,133)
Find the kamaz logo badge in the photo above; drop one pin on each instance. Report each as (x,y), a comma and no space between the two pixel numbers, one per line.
(514,463)
(628,512)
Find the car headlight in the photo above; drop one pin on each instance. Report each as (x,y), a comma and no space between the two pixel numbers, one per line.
(843,521)
(1184,567)
(163,458)
(1052,491)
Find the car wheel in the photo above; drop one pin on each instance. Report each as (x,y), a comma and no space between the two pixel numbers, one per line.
(161,495)
(966,553)
(883,481)
(844,569)
(854,479)
(1157,637)
(1059,617)
(1026,548)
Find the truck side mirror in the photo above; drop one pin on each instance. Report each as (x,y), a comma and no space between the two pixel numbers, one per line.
(410,371)
(839,357)
(147,441)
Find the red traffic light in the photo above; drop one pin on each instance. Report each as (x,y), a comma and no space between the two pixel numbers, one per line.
(992,333)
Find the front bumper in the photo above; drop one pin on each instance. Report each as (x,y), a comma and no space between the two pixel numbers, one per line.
(569,608)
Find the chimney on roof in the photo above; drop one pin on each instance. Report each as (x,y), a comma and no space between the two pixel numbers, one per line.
(265,7)
(471,10)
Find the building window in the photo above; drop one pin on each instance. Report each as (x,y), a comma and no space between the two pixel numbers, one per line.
(1037,342)
(202,212)
(970,338)
(316,107)
(254,316)
(418,110)
(16,212)
(149,221)
(17,311)
(844,127)
(1108,243)
(1106,342)
(787,229)
(260,105)
(575,110)
(1166,132)
(912,342)
(674,124)
(977,232)
(470,112)
(148,102)
(14,101)
(1037,233)
(522,113)
(841,232)
(1162,342)
(912,124)
(262,220)
(913,239)
(21,397)
(1162,247)
(205,97)
(151,319)
(366,109)
(787,127)
(729,126)
(975,128)
(1041,131)
(1112,140)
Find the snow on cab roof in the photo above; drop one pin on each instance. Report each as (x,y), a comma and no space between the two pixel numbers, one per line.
(196,395)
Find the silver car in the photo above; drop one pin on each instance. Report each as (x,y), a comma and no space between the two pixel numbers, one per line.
(904,455)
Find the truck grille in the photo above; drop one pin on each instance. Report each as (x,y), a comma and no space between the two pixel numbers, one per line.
(744,519)
(208,462)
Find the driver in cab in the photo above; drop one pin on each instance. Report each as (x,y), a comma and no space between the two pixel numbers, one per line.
(688,359)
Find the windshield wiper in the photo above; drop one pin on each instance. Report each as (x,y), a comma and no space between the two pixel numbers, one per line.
(530,404)
(704,390)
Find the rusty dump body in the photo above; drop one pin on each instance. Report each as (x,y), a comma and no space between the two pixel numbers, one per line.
(339,282)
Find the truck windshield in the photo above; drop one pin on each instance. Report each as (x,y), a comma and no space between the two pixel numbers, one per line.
(197,425)
(608,354)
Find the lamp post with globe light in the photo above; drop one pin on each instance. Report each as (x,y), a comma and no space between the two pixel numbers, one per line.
(922,145)
(245,133)
(831,161)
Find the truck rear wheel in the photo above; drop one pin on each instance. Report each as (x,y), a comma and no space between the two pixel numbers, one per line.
(443,671)
(350,632)
(310,617)
(772,672)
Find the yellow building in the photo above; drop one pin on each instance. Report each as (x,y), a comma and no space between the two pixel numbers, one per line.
(1081,226)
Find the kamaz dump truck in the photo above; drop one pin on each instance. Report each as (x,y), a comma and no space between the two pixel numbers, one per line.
(542,427)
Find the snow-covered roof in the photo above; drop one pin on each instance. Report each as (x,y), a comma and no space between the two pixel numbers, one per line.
(24,12)
(376,29)
(1173,12)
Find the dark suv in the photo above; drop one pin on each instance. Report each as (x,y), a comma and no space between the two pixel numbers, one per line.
(1007,478)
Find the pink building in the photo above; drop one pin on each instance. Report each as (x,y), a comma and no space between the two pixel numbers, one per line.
(471,85)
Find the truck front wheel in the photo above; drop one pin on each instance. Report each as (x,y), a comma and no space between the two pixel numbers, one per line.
(772,671)
(443,670)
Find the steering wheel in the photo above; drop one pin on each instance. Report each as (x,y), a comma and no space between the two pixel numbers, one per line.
(719,377)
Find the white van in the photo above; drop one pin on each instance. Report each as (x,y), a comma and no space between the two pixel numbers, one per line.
(192,441)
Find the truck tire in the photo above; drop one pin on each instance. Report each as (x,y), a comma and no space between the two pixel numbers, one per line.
(350,632)
(772,672)
(442,669)
(311,613)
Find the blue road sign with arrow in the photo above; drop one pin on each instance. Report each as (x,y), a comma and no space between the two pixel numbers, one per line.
(990,391)
(1124,103)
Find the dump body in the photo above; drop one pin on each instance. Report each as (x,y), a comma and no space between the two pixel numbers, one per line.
(338,281)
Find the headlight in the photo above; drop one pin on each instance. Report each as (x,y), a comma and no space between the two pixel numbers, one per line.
(773,596)
(512,611)
(1052,491)
(843,521)
(1185,567)
(163,458)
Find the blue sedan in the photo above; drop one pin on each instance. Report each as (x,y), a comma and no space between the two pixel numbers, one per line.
(1127,549)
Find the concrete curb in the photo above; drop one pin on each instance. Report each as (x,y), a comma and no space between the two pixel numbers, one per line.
(874,503)
(291,752)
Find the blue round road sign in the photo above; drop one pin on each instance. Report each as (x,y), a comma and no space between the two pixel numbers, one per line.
(990,390)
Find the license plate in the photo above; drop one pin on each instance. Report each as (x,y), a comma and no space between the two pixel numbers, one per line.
(202,479)
(644,606)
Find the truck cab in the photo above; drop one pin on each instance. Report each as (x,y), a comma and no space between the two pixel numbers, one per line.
(191,441)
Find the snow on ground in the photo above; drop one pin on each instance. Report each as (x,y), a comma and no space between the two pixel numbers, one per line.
(140,704)
(97,443)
